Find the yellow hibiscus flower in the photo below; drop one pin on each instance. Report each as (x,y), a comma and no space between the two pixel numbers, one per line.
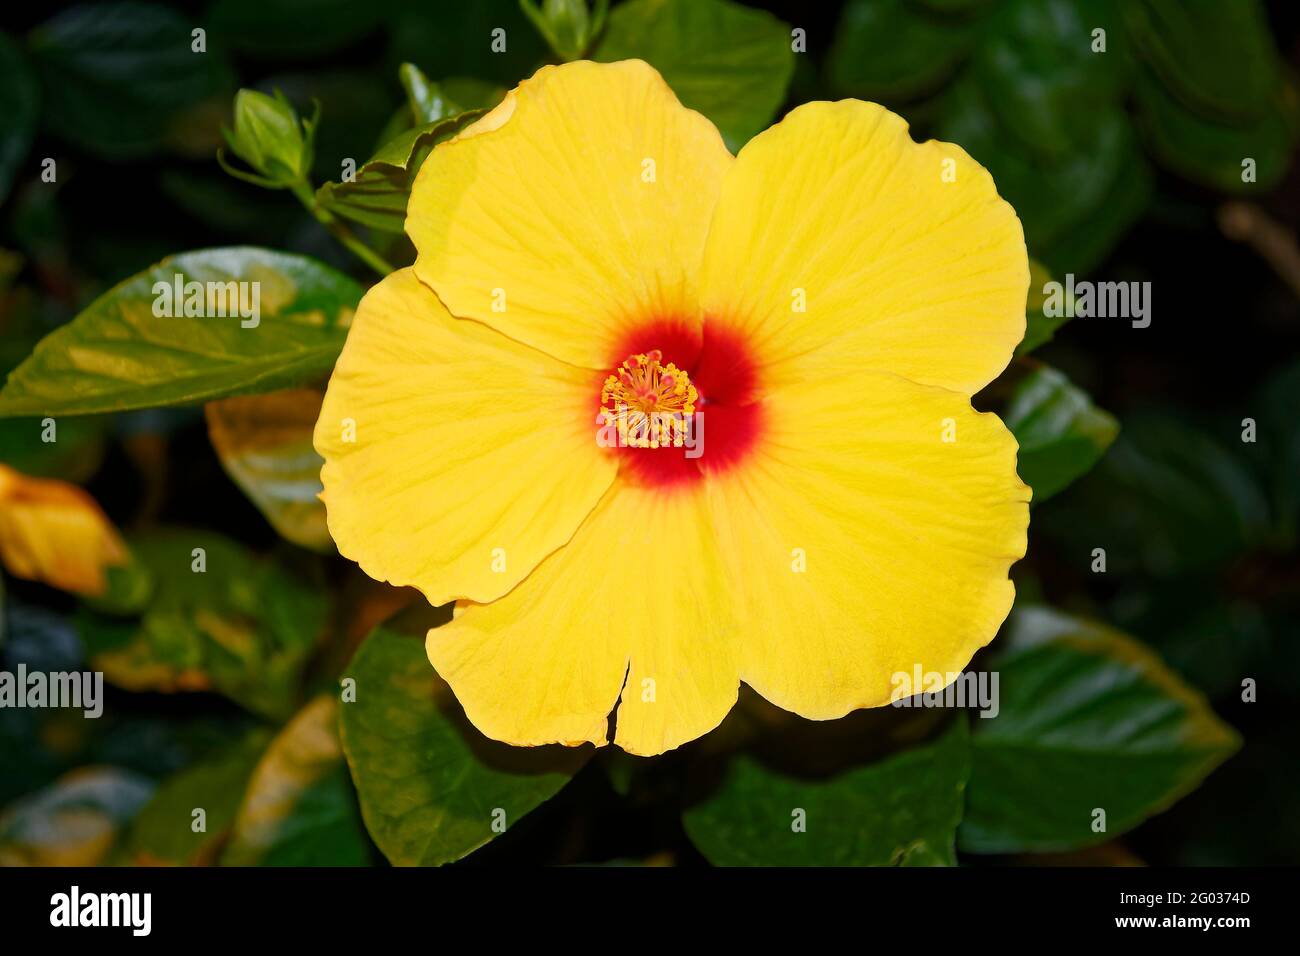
(821,510)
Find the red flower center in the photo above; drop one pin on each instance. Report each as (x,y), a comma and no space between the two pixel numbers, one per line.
(678,405)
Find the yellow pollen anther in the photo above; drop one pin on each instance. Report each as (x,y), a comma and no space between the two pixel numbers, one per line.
(649,402)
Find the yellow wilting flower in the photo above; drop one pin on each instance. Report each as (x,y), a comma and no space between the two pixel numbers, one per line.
(825,303)
(54,532)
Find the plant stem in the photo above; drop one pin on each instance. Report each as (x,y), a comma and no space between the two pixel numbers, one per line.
(341,232)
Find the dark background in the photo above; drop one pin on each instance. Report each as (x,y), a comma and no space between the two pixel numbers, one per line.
(1203,565)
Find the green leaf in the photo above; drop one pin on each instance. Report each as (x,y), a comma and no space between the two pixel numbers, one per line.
(1074,207)
(114,74)
(1088,720)
(265,445)
(299,809)
(1217,58)
(427,101)
(569,26)
(378,195)
(73,822)
(1061,433)
(19,97)
(1169,499)
(117,355)
(1038,71)
(731,63)
(472,94)
(1039,326)
(430,784)
(900,811)
(1211,639)
(163,833)
(1083,248)
(1210,152)
(242,626)
(894,49)
(1244,815)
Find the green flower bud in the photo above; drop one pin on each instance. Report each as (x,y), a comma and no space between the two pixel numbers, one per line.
(270,138)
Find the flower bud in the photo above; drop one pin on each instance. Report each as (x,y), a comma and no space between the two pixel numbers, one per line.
(270,138)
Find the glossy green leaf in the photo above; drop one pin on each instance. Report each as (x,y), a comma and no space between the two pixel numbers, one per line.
(425,99)
(118,355)
(431,786)
(1062,434)
(1217,58)
(894,49)
(1169,499)
(19,98)
(429,101)
(569,26)
(243,626)
(1088,720)
(730,62)
(265,445)
(1074,207)
(1211,152)
(1041,76)
(900,811)
(166,831)
(378,195)
(300,809)
(471,94)
(115,73)
(1212,641)
(1243,815)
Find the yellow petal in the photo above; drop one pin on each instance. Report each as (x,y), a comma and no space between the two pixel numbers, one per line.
(54,532)
(868,533)
(639,593)
(900,255)
(871,534)
(455,458)
(574,211)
